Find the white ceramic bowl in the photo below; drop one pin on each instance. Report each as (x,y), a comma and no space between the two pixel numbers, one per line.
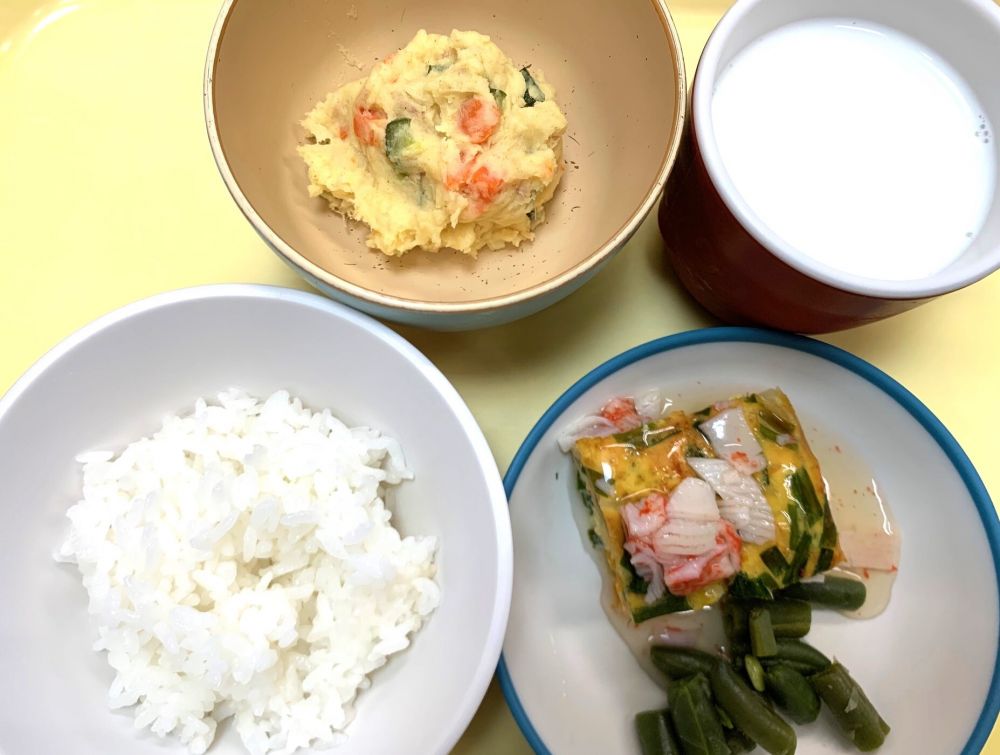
(111,382)
(929,662)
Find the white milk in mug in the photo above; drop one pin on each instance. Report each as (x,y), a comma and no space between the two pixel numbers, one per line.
(857,146)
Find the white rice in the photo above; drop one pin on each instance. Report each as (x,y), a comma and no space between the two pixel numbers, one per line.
(241,562)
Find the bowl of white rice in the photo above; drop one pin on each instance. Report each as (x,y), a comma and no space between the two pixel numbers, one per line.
(244,519)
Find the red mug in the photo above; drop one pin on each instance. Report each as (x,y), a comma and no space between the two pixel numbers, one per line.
(743,272)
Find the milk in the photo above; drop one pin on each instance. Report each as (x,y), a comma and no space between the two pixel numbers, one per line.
(857,146)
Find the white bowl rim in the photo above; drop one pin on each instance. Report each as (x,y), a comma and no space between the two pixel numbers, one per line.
(893,390)
(480,681)
(490,304)
(701,108)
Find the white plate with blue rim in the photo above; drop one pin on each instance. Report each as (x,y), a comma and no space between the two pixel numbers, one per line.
(929,662)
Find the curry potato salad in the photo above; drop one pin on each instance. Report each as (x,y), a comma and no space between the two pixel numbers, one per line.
(446,143)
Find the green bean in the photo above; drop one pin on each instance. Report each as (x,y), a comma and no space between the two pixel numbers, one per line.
(789,618)
(851,708)
(723,716)
(736,624)
(739,662)
(792,692)
(755,671)
(692,712)
(656,733)
(739,742)
(750,713)
(798,655)
(678,662)
(706,686)
(762,633)
(833,592)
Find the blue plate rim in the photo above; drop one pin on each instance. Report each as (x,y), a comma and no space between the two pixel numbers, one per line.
(914,406)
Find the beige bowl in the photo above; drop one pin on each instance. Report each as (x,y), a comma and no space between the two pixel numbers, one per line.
(619,77)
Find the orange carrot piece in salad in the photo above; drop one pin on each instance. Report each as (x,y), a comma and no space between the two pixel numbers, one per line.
(478,118)
(365,120)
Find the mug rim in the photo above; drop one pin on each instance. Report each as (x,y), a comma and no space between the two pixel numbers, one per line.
(702,90)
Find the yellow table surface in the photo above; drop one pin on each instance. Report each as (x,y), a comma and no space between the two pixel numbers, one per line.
(108,193)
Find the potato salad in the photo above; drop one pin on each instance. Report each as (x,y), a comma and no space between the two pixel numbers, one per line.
(446,143)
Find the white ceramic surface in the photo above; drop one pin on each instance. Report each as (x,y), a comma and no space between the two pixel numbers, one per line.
(112,382)
(964,33)
(926,663)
